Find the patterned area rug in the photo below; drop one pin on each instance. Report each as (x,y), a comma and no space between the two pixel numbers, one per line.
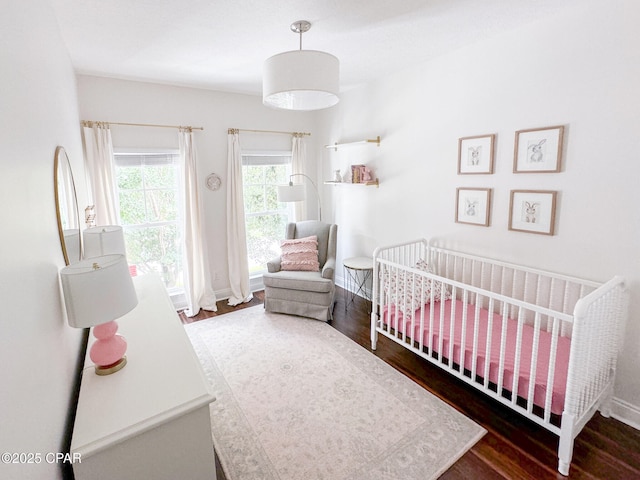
(297,400)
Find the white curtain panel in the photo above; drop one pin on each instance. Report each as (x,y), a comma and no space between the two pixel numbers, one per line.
(298,162)
(197,278)
(100,167)
(236,230)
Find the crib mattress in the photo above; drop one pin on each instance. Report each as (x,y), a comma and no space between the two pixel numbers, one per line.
(396,320)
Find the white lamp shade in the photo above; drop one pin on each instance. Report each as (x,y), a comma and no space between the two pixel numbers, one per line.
(97,290)
(72,244)
(301,80)
(291,193)
(103,240)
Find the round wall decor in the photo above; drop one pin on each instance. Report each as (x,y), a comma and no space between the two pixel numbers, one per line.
(214,181)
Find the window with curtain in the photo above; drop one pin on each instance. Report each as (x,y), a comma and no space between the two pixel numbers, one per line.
(265,217)
(148,194)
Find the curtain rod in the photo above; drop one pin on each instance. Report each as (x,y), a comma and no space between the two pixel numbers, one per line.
(299,134)
(89,123)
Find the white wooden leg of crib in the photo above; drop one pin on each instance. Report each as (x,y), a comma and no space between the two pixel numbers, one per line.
(374,333)
(565,448)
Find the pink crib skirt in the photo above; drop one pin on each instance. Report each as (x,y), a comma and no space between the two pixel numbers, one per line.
(544,348)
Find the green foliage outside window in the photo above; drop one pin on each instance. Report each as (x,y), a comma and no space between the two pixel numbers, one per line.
(266,218)
(148,196)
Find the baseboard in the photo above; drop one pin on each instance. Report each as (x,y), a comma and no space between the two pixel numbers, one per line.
(223,294)
(626,413)
(226,293)
(180,301)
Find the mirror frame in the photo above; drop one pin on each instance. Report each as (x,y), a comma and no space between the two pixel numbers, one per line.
(61,160)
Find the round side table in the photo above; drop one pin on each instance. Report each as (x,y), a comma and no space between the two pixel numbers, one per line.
(357,271)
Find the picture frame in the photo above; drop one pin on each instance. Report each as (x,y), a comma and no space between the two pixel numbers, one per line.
(473,206)
(475,155)
(538,150)
(533,211)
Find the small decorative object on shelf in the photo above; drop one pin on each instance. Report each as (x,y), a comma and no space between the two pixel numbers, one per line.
(338,177)
(361,174)
(356,172)
(90,216)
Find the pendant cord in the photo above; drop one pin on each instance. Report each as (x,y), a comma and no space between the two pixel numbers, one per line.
(300,29)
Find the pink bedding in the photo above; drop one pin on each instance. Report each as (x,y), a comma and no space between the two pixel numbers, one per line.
(544,348)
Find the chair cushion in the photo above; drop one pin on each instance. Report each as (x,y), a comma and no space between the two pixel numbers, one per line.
(300,254)
(309,281)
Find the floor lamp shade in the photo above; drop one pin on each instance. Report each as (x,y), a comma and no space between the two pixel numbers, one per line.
(97,290)
(103,240)
(291,193)
(301,80)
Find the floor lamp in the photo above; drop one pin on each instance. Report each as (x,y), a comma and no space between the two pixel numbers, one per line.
(296,193)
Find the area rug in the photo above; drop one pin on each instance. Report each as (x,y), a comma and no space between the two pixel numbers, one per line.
(298,400)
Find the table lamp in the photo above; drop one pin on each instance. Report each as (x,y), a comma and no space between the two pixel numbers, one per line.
(97,291)
(103,240)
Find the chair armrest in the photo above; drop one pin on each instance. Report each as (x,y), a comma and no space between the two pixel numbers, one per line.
(274,265)
(328,271)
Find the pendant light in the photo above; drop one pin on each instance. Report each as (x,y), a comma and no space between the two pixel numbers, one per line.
(301,79)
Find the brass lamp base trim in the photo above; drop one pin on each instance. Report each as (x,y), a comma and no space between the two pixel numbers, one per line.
(109,369)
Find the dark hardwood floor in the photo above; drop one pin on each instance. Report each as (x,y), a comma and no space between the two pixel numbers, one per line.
(514,447)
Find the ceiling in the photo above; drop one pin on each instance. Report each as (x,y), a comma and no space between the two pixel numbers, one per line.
(221,44)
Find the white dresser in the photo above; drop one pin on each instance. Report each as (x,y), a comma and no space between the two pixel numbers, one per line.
(151,419)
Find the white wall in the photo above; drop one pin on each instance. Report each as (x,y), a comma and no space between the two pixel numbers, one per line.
(38,350)
(581,70)
(136,102)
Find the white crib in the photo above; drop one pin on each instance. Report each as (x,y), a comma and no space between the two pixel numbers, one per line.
(505,328)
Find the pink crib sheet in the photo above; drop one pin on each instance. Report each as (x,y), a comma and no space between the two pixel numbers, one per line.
(544,348)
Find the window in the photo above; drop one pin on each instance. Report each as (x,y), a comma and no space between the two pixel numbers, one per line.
(265,217)
(148,193)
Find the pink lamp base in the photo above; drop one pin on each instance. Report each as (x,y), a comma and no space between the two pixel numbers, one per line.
(108,351)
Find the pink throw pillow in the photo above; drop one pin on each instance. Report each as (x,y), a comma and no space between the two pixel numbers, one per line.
(300,254)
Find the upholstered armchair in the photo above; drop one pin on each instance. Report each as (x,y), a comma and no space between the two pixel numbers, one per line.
(299,287)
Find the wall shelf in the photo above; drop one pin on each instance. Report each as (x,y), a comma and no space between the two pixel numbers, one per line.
(336,145)
(371,183)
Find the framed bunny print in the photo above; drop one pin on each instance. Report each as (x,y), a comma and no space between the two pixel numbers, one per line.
(475,154)
(538,150)
(533,211)
(473,206)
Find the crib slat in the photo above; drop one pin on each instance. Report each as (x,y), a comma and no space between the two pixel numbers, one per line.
(476,324)
(421,334)
(534,363)
(397,313)
(406,301)
(431,319)
(552,369)
(452,325)
(463,330)
(503,343)
(487,351)
(516,366)
(441,327)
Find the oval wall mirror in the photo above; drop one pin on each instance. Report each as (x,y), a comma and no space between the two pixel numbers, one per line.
(66,207)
